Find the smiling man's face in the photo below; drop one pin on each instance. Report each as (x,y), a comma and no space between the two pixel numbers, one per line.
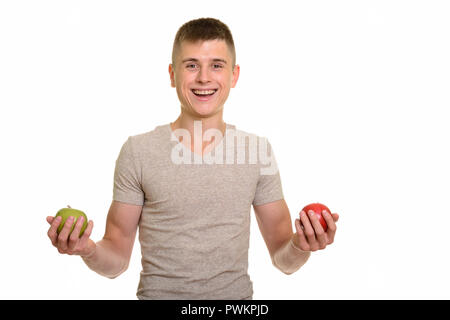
(203,75)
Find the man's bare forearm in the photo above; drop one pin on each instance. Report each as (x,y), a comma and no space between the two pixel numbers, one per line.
(289,258)
(105,260)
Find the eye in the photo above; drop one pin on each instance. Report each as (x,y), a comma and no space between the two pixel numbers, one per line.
(217,66)
(191,66)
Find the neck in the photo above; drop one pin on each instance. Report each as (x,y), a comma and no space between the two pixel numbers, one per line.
(188,122)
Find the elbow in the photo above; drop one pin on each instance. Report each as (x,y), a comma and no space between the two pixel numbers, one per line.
(115,275)
(289,266)
(285,270)
(288,270)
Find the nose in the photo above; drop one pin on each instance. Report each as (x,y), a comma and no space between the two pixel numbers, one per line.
(203,76)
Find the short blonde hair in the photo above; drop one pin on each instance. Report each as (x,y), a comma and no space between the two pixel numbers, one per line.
(204,29)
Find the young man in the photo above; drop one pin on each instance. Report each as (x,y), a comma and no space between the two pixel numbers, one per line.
(189,187)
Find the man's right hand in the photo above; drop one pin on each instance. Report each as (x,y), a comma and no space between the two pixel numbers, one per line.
(69,242)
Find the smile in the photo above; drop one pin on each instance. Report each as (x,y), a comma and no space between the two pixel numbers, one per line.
(204,93)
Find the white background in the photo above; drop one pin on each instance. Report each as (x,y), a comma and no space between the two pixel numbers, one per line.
(353,96)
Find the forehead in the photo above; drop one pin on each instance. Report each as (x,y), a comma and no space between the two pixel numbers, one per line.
(204,50)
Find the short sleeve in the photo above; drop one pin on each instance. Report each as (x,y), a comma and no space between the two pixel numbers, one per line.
(127,177)
(268,188)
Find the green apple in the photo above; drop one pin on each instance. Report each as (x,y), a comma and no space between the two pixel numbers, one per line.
(69,212)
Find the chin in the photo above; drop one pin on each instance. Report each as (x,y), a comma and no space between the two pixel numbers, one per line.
(201,114)
(205,111)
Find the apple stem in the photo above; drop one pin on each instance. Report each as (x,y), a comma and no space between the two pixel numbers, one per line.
(69,207)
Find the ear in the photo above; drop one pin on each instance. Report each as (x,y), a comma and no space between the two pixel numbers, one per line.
(236,71)
(172,76)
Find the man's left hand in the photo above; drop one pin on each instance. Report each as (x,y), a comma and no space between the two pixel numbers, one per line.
(310,235)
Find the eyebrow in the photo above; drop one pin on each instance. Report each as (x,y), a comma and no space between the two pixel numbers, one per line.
(196,60)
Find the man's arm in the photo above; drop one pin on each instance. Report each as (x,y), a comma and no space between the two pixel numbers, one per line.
(111,255)
(274,221)
(288,250)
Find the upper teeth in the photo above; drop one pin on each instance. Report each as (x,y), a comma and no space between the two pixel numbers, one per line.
(204,91)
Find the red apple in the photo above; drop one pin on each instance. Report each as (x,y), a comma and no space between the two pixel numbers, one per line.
(318,208)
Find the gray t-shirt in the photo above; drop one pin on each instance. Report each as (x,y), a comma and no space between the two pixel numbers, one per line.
(195,223)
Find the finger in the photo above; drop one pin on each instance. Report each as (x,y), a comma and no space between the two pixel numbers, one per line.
(318,229)
(64,234)
(52,231)
(50,219)
(87,231)
(335,217)
(85,237)
(331,222)
(309,232)
(75,235)
(303,243)
(302,213)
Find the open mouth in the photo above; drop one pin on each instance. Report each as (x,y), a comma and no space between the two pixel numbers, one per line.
(204,93)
